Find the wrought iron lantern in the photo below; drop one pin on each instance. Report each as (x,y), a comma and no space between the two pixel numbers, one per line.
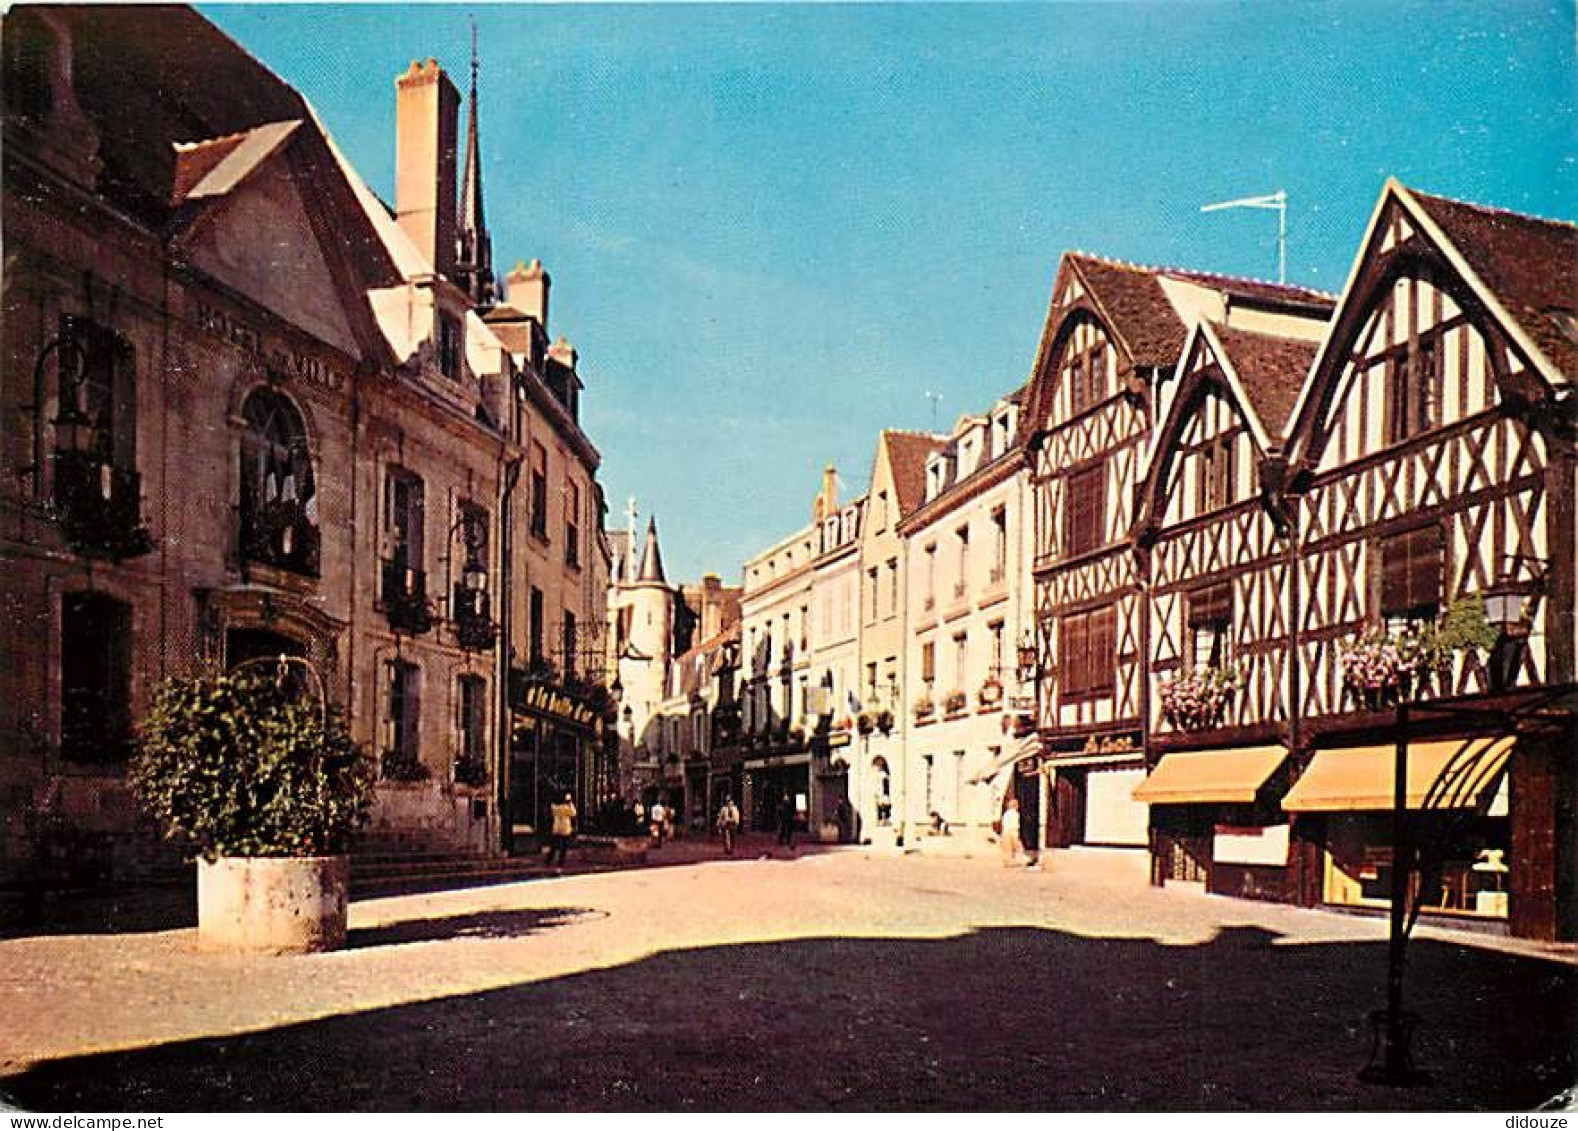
(1508,604)
(1029,657)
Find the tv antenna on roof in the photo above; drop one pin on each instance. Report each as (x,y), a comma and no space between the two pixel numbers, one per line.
(936,403)
(1277,200)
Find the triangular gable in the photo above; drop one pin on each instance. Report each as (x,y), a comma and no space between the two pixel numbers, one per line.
(1202,349)
(1397,217)
(267,214)
(1071,292)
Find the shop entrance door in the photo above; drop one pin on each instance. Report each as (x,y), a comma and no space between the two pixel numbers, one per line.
(1027,789)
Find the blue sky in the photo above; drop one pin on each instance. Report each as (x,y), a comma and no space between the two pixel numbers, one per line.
(773,230)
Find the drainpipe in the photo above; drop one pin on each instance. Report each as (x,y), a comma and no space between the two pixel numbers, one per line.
(502,652)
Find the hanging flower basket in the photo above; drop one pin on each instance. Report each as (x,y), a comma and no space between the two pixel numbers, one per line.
(1382,668)
(1197,698)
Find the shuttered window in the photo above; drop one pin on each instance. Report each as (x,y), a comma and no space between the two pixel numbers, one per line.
(1411,573)
(1086,661)
(1210,612)
(1085,510)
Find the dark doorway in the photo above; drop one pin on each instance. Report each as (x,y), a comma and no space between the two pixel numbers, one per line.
(1027,788)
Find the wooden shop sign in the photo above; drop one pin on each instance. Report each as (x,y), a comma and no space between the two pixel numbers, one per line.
(550,703)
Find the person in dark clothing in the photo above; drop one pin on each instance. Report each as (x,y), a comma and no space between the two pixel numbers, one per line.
(786,817)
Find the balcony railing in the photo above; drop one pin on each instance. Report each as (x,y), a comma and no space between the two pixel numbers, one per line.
(997,574)
(405,599)
(99,507)
(279,534)
(958,590)
(474,628)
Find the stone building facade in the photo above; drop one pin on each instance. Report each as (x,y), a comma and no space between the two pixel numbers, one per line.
(247,417)
(966,550)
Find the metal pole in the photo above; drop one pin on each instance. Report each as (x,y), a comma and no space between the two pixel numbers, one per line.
(1394,1027)
(1282,237)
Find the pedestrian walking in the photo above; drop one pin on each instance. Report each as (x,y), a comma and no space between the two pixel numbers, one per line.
(659,816)
(1008,835)
(563,814)
(728,824)
(786,819)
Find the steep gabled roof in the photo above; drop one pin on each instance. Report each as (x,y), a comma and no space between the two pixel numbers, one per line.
(1136,308)
(1271,371)
(1529,264)
(1146,321)
(907,452)
(150,76)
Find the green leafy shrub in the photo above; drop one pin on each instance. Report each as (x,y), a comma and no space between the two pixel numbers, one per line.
(243,764)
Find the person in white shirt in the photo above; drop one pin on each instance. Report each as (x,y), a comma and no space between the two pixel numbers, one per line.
(1008,840)
(659,815)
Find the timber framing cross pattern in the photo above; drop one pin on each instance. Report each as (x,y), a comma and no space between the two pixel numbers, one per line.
(1326,464)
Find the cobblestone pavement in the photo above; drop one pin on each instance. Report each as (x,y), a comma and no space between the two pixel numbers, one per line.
(850,979)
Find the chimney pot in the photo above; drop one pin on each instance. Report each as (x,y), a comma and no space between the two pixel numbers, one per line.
(526,289)
(427,118)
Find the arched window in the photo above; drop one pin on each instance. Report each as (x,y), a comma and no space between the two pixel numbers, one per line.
(279,508)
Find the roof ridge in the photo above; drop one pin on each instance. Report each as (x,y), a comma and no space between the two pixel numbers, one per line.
(1193,272)
(1490,209)
(238,135)
(1219,326)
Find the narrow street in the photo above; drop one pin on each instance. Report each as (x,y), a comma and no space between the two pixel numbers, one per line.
(846,979)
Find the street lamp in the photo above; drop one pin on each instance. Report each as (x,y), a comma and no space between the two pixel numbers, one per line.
(1029,657)
(1506,606)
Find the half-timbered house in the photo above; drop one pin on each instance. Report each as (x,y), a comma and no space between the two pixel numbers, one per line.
(1113,332)
(1432,458)
(1215,546)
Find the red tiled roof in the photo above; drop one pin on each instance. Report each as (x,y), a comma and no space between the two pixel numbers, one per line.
(1145,320)
(1272,370)
(907,452)
(1531,265)
(195,162)
(1136,308)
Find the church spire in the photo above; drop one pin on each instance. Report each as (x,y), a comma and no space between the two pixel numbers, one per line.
(651,559)
(474,266)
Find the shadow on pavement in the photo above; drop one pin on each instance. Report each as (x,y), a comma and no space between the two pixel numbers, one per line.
(127,909)
(478,925)
(1002,1018)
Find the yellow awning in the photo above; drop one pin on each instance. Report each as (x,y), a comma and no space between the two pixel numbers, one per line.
(1451,774)
(1210,775)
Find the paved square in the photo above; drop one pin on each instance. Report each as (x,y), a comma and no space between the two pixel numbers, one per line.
(849,979)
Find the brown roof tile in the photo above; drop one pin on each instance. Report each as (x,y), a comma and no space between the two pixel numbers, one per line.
(1145,320)
(907,452)
(1530,264)
(1272,370)
(195,162)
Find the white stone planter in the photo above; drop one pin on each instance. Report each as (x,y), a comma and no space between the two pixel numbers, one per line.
(275,904)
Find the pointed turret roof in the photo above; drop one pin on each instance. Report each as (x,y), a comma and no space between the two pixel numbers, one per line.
(651,558)
(475,259)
